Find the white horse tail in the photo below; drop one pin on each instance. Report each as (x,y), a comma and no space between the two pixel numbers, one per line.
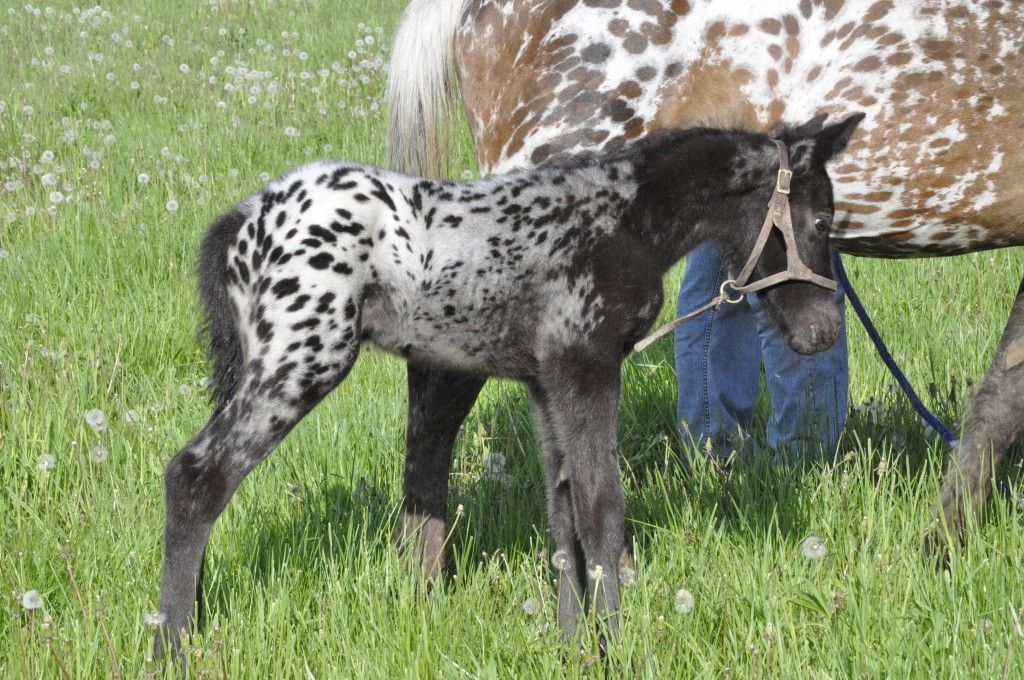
(421,87)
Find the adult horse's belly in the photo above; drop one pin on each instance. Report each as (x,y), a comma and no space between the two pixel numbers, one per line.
(936,169)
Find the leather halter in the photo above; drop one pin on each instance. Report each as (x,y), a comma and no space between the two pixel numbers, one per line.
(779,216)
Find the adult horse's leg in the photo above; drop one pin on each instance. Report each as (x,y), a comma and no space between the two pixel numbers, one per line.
(580,402)
(996,418)
(438,403)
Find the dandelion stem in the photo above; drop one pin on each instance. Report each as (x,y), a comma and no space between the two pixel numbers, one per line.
(60,662)
(85,615)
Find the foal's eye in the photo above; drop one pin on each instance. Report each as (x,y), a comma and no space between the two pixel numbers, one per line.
(821,224)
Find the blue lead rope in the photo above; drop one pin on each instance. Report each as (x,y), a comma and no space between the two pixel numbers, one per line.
(908,389)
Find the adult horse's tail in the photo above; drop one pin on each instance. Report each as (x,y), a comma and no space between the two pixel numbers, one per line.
(421,87)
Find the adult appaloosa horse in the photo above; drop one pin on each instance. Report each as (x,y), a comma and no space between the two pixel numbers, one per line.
(940,170)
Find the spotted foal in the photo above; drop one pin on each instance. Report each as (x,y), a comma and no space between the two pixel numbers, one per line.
(548,277)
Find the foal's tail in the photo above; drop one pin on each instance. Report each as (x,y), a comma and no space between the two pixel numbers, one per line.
(219,329)
(421,86)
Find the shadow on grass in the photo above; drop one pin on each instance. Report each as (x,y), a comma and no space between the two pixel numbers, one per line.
(753,496)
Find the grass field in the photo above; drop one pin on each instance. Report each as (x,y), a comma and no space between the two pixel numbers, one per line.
(125,131)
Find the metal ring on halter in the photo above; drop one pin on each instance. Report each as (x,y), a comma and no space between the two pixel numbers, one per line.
(725,298)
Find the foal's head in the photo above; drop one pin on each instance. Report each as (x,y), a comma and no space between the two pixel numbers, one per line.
(807,312)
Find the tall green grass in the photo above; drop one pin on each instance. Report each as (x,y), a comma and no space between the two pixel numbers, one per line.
(98,312)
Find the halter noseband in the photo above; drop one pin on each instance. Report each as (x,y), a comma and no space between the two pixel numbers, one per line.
(780,216)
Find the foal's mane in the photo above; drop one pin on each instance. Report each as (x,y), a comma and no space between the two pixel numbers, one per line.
(660,140)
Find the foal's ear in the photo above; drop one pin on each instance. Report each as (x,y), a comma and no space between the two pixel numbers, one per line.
(834,138)
(811,144)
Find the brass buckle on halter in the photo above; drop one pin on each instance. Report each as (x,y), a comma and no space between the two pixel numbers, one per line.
(783,180)
(725,297)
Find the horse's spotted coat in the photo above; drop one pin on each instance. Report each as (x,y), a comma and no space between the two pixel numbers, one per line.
(938,171)
(425,269)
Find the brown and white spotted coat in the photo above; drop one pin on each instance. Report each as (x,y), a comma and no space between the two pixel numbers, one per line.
(937,169)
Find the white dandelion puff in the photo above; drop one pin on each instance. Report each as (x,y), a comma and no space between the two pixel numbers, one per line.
(560,560)
(99,454)
(530,606)
(46,462)
(184,390)
(184,68)
(95,419)
(154,619)
(32,600)
(143,178)
(683,601)
(813,548)
(172,205)
(627,575)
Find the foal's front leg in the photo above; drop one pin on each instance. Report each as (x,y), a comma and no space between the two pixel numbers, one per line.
(568,557)
(581,400)
(438,403)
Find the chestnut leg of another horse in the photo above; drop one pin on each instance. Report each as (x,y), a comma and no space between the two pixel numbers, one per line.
(996,418)
(438,403)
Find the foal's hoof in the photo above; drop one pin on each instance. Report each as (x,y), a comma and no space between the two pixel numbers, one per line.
(423,538)
(941,536)
(936,546)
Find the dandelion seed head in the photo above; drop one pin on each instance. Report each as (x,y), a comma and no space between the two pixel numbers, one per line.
(32,600)
(560,560)
(172,205)
(683,601)
(627,575)
(143,178)
(46,462)
(813,548)
(154,619)
(98,454)
(95,419)
(531,606)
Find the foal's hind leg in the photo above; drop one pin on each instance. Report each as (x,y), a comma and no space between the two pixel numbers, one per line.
(275,393)
(996,418)
(438,403)
(581,400)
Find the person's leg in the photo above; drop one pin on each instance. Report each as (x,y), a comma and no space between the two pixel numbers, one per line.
(717,355)
(808,392)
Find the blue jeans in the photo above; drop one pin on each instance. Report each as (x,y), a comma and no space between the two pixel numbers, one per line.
(719,355)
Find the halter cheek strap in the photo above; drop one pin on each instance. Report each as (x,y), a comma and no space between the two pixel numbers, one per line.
(779,216)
